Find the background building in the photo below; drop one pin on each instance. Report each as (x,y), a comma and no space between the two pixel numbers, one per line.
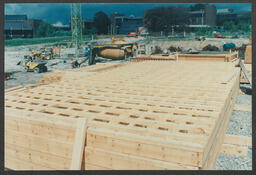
(205,16)
(123,25)
(226,15)
(19,26)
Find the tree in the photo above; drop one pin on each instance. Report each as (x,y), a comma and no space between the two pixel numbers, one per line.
(243,27)
(229,26)
(197,7)
(45,30)
(101,22)
(163,18)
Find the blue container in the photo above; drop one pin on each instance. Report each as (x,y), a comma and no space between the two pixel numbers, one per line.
(228,46)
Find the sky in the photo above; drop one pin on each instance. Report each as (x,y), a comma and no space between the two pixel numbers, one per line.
(60,13)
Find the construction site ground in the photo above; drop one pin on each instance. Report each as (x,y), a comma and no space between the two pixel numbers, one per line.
(240,123)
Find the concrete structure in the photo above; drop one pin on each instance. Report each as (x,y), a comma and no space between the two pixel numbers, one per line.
(19,26)
(130,24)
(203,17)
(116,21)
(123,25)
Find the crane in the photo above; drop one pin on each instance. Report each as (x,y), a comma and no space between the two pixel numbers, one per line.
(76,24)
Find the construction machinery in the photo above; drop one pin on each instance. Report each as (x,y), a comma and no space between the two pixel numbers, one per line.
(141,50)
(43,53)
(136,34)
(200,38)
(218,35)
(117,50)
(35,66)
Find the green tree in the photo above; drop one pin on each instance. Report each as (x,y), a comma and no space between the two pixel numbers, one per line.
(197,7)
(229,26)
(163,18)
(243,27)
(45,30)
(101,22)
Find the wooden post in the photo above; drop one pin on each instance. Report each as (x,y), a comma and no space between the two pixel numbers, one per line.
(78,148)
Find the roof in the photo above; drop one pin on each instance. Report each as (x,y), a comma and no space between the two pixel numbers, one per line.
(225,10)
(197,12)
(15,17)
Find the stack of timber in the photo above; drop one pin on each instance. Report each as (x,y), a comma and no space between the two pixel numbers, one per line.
(37,141)
(248,53)
(192,57)
(142,115)
(202,57)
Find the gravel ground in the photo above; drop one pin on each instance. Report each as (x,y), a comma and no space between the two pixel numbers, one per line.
(226,162)
(244,99)
(240,124)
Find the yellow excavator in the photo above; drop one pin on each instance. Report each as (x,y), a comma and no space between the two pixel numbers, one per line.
(37,67)
(31,65)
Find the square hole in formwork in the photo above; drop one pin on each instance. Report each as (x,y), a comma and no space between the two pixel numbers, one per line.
(47,112)
(60,107)
(112,113)
(73,102)
(101,120)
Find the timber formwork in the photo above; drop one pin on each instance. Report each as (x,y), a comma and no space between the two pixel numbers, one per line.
(140,115)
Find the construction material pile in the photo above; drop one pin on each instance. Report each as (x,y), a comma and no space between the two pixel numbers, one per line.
(140,115)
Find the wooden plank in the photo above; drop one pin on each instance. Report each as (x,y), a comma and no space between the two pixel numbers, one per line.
(248,55)
(245,72)
(37,143)
(40,142)
(118,161)
(238,140)
(79,144)
(234,150)
(228,78)
(16,164)
(34,156)
(94,167)
(148,147)
(14,89)
(240,107)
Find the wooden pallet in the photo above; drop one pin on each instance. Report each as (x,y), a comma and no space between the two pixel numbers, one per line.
(143,115)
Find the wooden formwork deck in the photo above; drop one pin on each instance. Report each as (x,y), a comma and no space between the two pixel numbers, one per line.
(143,115)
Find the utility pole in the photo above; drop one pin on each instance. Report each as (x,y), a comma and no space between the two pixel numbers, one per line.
(76,25)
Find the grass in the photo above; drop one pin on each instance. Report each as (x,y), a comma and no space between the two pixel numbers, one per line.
(30,41)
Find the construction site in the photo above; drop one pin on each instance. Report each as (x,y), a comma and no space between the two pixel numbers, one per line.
(129,102)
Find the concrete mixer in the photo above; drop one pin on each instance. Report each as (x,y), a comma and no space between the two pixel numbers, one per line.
(116,50)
